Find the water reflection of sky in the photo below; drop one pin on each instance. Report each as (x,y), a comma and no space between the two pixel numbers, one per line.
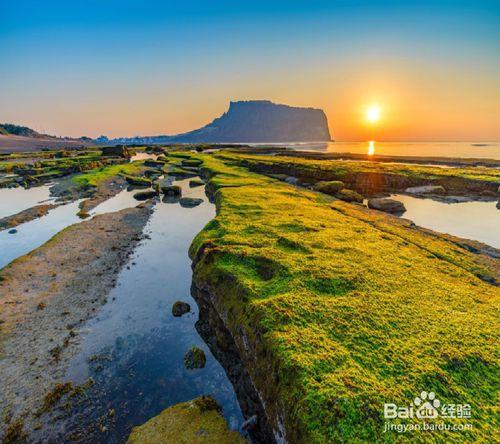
(471,220)
(14,200)
(144,345)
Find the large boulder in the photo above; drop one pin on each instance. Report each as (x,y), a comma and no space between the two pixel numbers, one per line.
(426,189)
(116,151)
(331,187)
(387,205)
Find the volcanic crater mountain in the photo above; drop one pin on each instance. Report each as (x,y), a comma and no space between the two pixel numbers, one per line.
(254,121)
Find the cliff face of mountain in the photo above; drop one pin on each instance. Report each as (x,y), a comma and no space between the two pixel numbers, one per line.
(262,121)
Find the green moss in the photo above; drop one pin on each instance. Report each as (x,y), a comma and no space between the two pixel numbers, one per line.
(97,176)
(138,180)
(349,196)
(193,422)
(348,307)
(329,187)
(192,162)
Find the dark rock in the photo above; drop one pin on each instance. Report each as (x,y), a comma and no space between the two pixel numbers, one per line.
(152,173)
(195,358)
(250,423)
(168,189)
(170,199)
(387,205)
(138,181)
(349,196)
(498,204)
(179,308)
(331,187)
(196,183)
(144,195)
(190,202)
(191,162)
(154,163)
(116,151)
(13,231)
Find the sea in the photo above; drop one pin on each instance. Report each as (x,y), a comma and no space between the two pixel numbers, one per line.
(475,150)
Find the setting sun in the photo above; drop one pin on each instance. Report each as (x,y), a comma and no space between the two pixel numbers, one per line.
(373,113)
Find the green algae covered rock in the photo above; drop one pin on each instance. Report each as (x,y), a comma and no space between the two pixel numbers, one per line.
(329,187)
(179,308)
(349,196)
(138,181)
(195,358)
(191,162)
(193,422)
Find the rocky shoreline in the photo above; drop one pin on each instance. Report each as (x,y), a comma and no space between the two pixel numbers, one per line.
(61,285)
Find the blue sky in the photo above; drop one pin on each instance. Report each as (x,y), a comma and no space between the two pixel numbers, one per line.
(130,67)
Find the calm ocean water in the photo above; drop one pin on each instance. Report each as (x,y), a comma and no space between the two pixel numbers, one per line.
(487,150)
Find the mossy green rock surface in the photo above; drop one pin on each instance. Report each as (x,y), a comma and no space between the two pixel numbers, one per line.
(329,187)
(338,309)
(194,422)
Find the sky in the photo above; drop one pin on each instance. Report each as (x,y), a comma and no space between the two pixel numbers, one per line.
(126,68)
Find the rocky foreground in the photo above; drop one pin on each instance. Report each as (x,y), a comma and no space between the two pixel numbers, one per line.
(46,296)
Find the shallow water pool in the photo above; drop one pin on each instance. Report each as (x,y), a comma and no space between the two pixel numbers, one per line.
(471,220)
(14,200)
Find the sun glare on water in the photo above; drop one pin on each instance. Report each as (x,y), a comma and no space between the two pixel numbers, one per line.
(371,147)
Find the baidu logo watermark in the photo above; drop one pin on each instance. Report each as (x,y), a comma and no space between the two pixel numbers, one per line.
(426,412)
